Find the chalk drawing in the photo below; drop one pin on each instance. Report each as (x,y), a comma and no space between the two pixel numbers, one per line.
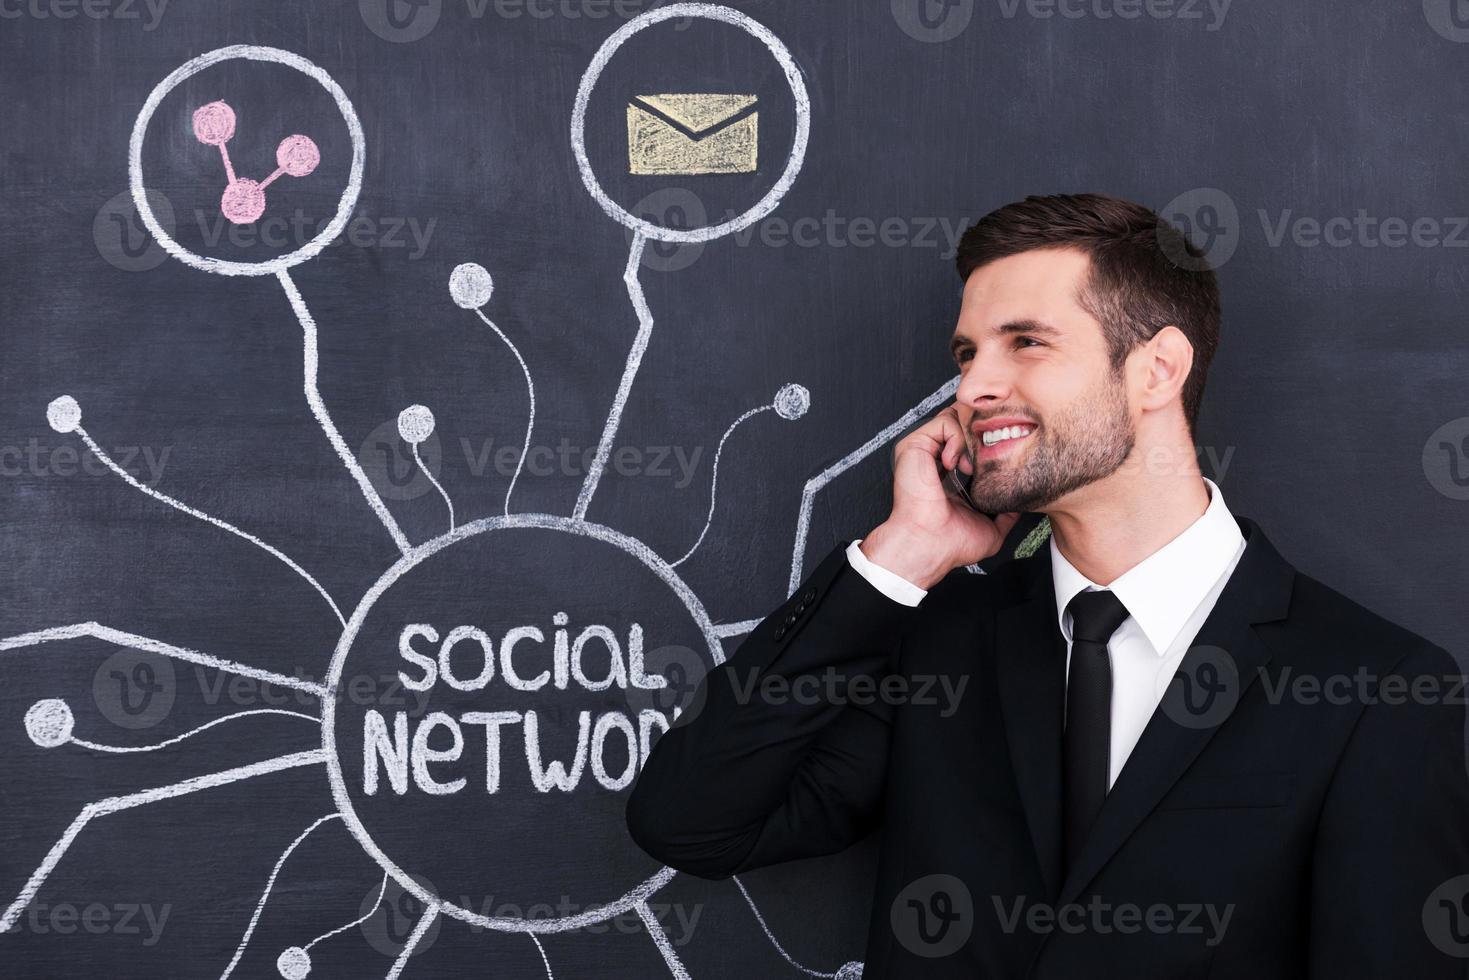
(470,286)
(243,200)
(791,402)
(661,125)
(644,230)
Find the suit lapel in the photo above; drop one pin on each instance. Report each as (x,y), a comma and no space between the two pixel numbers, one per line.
(1225,656)
(1030,664)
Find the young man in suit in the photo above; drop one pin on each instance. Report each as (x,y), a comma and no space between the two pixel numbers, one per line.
(1166,753)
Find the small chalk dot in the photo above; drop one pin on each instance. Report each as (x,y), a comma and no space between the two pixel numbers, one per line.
(243,201)
(792,401)
(297,155)
(415,424)
(64,414)
(470,285)
(214,123)
(49,723)
(294,963)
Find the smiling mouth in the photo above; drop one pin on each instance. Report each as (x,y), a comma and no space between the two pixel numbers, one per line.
(1005,436)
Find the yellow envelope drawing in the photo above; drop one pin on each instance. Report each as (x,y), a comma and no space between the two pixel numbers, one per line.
(693,133)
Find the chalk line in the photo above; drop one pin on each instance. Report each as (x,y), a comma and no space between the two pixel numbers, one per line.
(714,480)
(318,409)
(814,485)
(136,642)
(542,950)
(382,890)
(660,939)
(723,630)
(430,914)
(437,485)
(531,389)
(121,749)
(629,372)
(771,936)
(179,505)
(265,896)
(113,804)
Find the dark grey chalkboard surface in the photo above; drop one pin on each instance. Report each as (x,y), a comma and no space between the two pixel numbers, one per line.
(257,373)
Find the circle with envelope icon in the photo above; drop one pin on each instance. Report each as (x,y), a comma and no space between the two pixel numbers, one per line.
(654,110)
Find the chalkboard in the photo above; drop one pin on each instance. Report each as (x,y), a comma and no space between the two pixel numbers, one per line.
(404,402)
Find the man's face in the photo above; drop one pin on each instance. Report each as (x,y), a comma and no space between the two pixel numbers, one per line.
(1031,357)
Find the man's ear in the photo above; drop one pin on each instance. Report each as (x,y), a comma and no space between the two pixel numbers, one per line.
(1164,361)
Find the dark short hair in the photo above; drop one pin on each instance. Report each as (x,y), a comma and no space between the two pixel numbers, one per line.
(1145,274)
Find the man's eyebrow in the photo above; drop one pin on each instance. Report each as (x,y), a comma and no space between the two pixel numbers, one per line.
(1028,326)
(960,343)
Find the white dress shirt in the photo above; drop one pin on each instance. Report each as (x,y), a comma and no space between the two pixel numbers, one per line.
(1168,596)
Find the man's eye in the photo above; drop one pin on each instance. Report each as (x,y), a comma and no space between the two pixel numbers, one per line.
(1032,340)
(964,355)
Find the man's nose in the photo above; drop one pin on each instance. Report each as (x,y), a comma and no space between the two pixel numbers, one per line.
(986,379)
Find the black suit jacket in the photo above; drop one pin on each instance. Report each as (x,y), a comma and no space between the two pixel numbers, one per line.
(1320,824)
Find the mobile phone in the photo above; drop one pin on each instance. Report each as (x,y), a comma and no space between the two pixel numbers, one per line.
(956,479)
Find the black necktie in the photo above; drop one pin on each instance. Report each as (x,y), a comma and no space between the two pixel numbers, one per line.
(1086,755)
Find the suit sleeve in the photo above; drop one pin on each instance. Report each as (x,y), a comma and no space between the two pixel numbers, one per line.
(773,761)
(1393,830)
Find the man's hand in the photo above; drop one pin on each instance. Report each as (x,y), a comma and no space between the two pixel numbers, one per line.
(931,531)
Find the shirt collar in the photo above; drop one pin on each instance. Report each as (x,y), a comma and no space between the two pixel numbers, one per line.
(1163,590)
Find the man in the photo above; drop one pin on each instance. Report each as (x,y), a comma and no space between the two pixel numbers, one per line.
(1169,753)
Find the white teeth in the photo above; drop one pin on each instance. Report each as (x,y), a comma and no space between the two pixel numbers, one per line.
(994,436)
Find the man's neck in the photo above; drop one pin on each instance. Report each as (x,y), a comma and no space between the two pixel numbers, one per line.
(1112,525)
